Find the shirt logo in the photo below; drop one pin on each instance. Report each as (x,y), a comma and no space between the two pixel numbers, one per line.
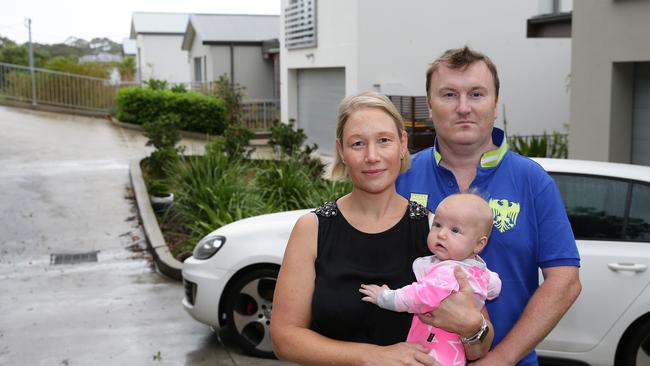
(420,198)
(505,214)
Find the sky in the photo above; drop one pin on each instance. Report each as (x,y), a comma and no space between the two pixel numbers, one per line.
(53,21)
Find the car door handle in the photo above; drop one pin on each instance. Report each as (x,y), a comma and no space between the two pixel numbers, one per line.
(634,267)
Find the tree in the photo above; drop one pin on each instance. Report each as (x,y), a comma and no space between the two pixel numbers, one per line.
(19,55)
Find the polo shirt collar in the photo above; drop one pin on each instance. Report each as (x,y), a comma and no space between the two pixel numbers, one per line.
(489,159)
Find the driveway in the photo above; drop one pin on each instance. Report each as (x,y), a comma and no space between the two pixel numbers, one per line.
(64,191)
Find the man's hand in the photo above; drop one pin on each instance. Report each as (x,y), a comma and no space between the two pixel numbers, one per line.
(372,292)
(457,313)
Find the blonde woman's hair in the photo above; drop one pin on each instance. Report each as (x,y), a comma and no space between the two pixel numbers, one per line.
(354,103)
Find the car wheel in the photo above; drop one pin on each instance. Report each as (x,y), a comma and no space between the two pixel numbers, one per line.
(634,350)
(248,311)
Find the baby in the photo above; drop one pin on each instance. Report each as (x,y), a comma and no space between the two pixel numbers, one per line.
(460,230)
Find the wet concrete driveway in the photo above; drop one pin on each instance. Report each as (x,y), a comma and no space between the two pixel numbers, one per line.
(64,189)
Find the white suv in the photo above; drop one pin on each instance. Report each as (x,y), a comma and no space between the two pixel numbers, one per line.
(231,277)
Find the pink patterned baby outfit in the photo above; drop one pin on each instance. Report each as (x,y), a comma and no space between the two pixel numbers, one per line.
(436,281)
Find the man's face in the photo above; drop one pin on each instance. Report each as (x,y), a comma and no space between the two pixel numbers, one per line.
(462,104)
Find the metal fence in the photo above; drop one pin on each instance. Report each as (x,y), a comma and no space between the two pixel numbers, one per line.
(259,115)
(412,109)
(96,95)
(54,88)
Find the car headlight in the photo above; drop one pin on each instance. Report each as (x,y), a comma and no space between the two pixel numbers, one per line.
(208,246)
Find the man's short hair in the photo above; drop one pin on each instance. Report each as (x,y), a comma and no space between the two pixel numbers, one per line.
(460,58)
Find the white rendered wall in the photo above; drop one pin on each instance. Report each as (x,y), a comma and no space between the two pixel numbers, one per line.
(161,57)
(602,95)
(253,72)
(337,32)
(219,61)
(199,50)
(398,40)
(387,45)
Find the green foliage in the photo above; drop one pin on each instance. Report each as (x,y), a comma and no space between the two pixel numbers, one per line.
(545,146)
(178,88)
(157,186)
(64,64)
(127,68)
(234,143)
(237,142)
(19,55)
(284,185)
(162,132)
(232,96)
(12,53)
(212,191)
(288,140)
(156,84)
(163,135)
(196,112)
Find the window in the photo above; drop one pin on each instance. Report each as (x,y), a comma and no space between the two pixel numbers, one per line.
(300,24)
(198,74)
(638,223)
(595,205)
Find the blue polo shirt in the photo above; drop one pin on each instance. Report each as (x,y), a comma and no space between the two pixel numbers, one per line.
(531,229)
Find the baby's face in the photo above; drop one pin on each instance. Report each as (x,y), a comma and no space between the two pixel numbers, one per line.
(456,231)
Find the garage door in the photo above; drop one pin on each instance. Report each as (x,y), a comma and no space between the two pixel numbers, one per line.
(319,93)
(641,114)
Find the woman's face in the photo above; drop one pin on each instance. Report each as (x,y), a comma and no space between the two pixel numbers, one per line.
(372,149)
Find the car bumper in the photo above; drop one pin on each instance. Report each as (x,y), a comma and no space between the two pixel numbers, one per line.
(203,287)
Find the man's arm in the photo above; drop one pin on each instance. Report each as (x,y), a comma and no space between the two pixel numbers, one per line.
(546,307)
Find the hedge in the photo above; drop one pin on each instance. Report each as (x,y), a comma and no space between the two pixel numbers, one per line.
(196,112)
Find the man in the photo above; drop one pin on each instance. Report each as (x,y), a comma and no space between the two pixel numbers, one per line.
(531,229)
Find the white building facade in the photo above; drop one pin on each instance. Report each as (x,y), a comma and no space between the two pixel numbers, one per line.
(242,47)
(387,46)
(159,37)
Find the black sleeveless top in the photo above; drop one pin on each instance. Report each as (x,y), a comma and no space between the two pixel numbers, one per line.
(347,257)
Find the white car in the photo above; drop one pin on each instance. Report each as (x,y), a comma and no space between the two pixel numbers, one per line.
(231,276)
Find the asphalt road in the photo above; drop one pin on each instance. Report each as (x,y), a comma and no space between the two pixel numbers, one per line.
(64,190)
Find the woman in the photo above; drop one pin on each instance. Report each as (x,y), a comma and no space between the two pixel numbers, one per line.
(371,235)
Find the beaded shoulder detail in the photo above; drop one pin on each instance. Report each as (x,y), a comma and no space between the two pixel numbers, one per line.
(327,209)
(417,211)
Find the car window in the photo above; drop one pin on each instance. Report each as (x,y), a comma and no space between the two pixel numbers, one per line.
(638,223)
(595,205)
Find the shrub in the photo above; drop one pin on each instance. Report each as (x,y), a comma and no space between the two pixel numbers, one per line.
(544,146)
(232,96)
(199,113)
(156,84)
(162,132)
(284,185)
(212,191)
(65,64)
(163,136)
(288,140)
(196,112)
(237,142)
(179,88)
(127,68)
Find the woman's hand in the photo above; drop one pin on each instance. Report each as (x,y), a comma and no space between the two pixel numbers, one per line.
(401,354)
